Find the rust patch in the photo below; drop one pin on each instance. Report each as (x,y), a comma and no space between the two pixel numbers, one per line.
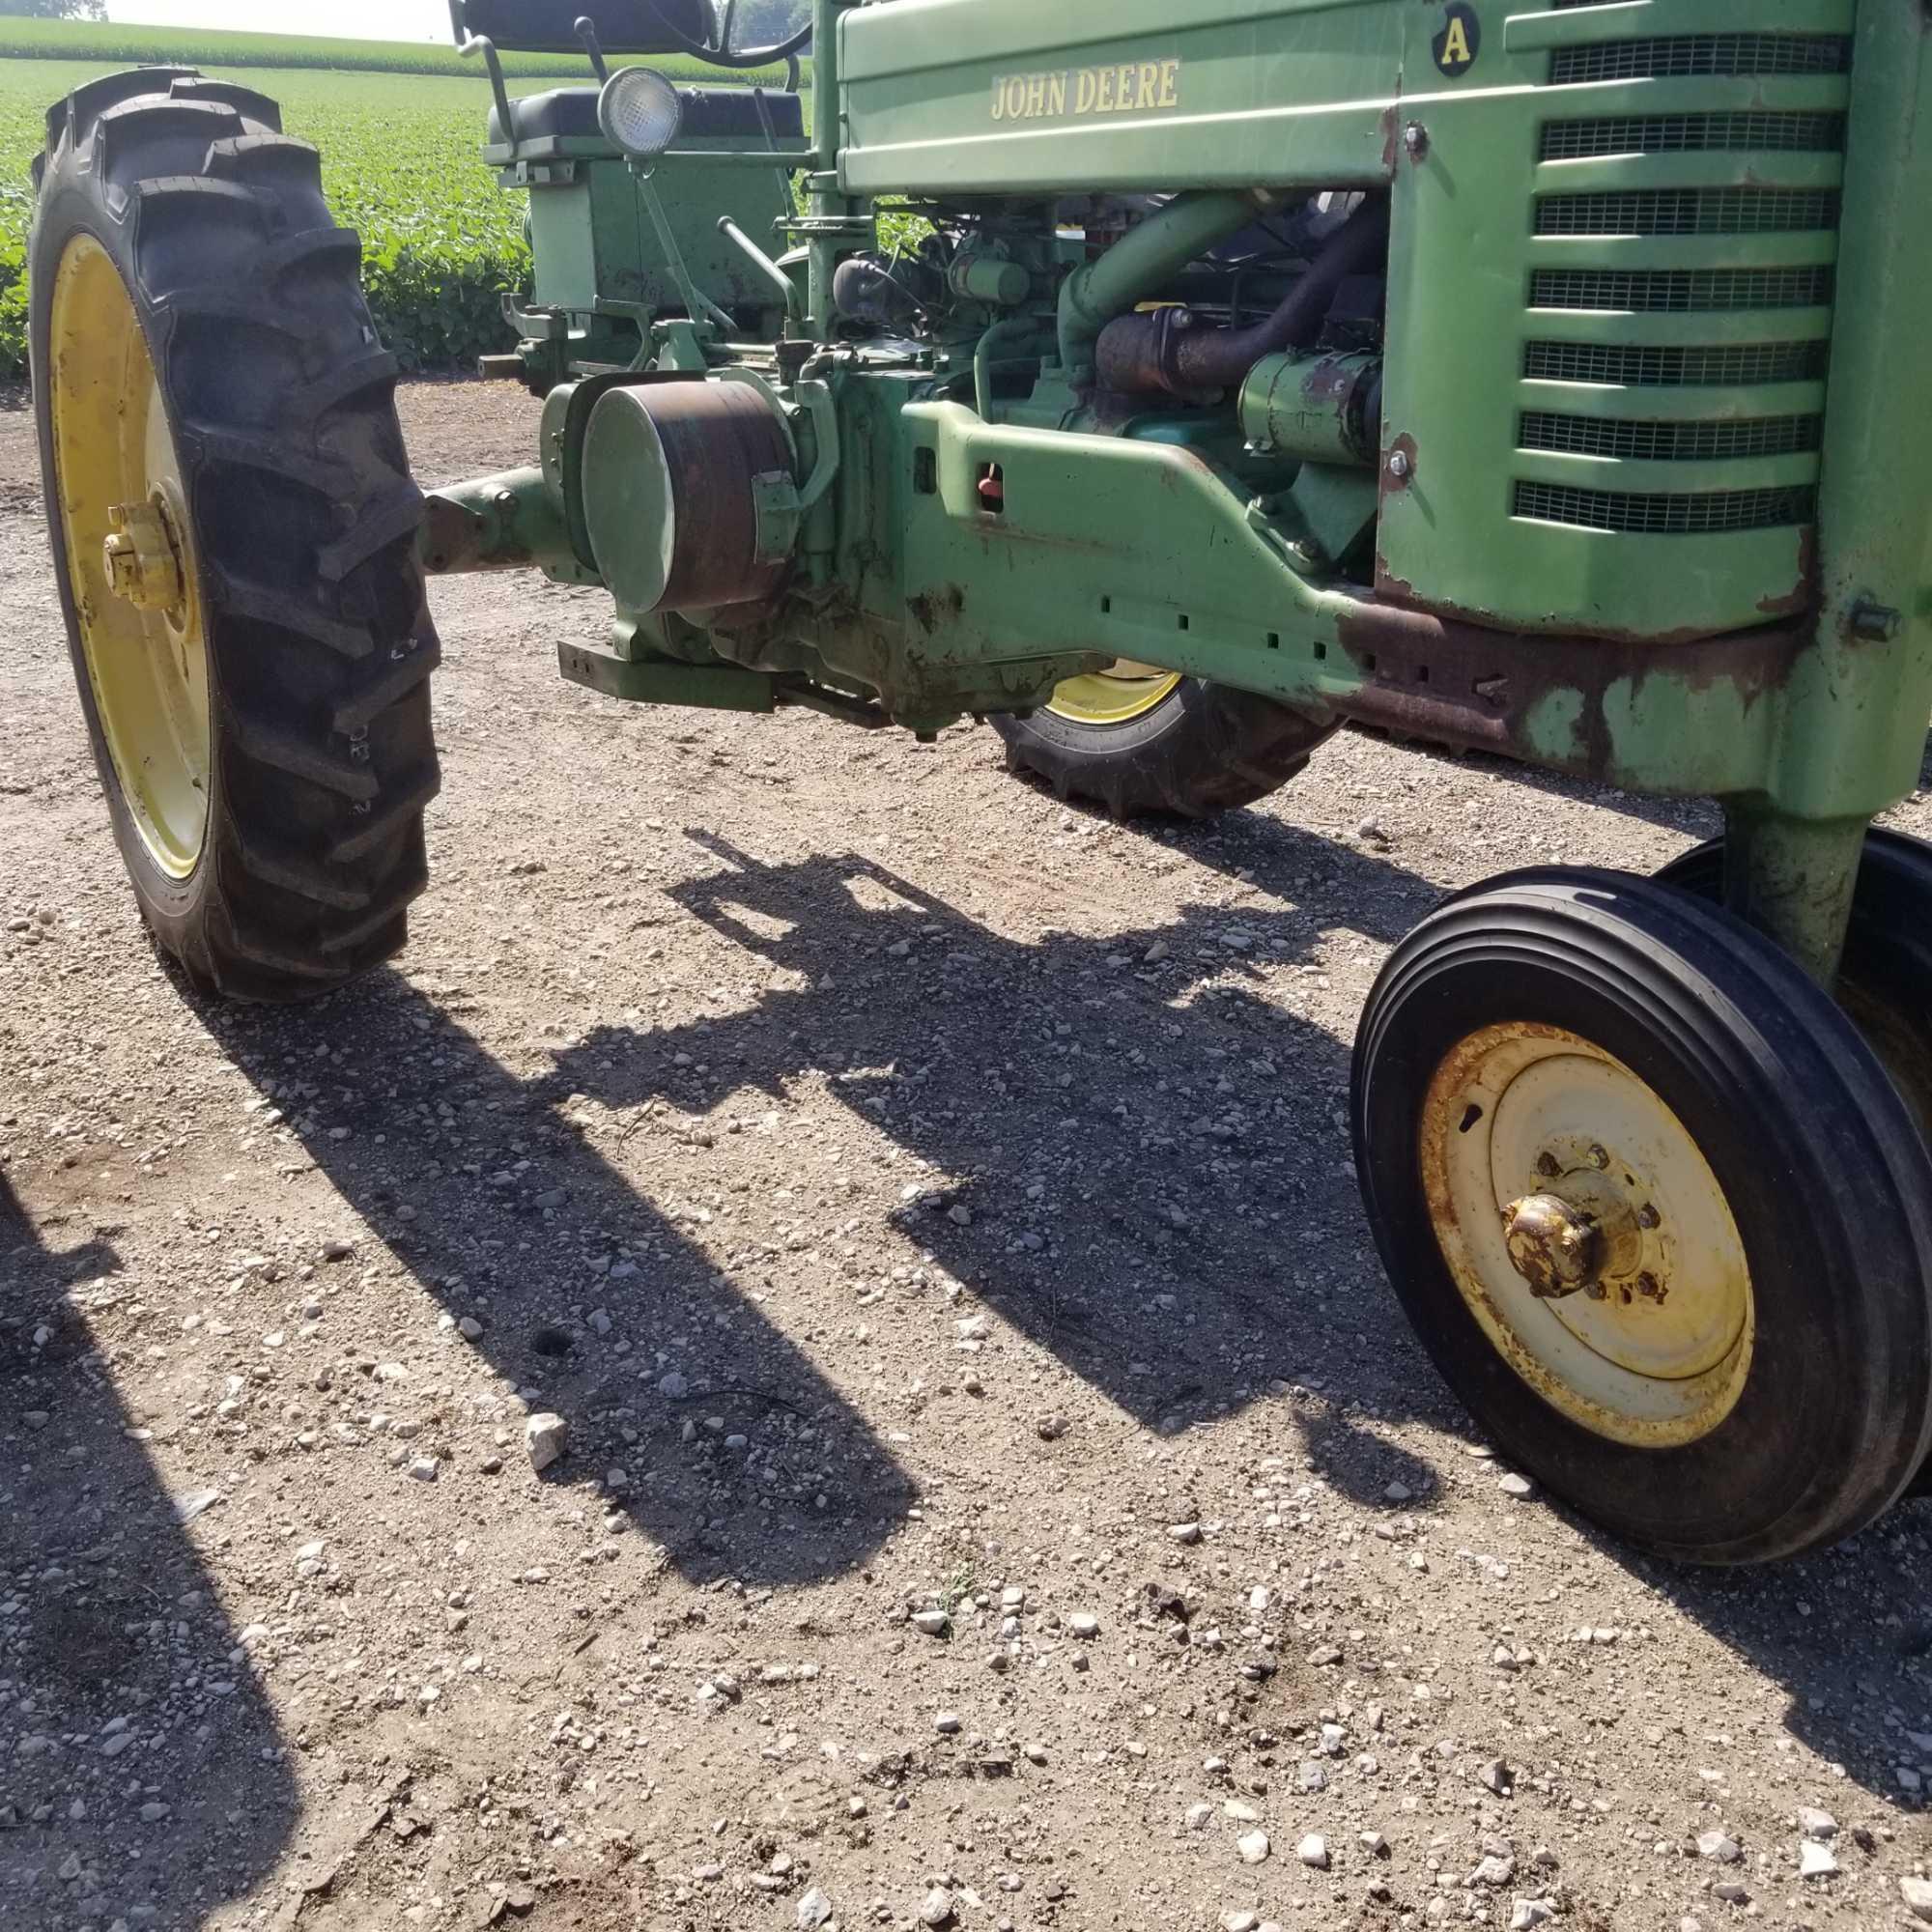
(1461,684)
(1804,592)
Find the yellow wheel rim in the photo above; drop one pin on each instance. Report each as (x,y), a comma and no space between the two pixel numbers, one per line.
(1589,1237)
(130,557)
(1116,695)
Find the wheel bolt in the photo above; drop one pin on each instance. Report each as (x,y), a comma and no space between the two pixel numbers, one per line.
(1647,1217)
(1600,1158)
(1547,1165)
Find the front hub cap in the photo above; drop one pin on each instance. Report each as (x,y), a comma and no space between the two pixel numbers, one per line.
(1552,1247)
(1587,1234)
(131,567)
(139,558)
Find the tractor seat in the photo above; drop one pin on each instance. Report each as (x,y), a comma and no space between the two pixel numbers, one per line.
(710,113)
(623,26)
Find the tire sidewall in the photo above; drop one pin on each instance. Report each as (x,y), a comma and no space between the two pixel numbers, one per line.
(1794,1418)
(69,208)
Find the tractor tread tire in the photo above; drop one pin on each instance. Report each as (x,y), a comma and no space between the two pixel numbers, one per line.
(282,402)
(1204,749)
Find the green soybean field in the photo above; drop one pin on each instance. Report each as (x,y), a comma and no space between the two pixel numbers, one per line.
(401,156)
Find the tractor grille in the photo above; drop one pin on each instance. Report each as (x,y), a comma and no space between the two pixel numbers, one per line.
(1669,441)
(1694,56)
(1693,134)
(1643,367)
(1715,514)
(1725,210)
(1660,265)
(1680,290)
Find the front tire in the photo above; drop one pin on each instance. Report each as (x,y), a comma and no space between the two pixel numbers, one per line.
(1140,742)
(215,409)
(1656,1211)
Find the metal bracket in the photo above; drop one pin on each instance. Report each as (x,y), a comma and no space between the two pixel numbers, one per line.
(779,515)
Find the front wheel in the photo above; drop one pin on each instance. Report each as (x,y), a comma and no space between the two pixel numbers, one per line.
(1656,1211)
(234,534)
(1140,741)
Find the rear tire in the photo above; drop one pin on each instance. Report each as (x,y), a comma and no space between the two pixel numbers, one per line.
(1200,748)
(246,344)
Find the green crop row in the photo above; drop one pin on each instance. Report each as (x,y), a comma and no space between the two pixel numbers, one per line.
(197,46)
(401,163)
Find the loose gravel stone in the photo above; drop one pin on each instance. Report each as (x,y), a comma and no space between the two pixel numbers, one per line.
(1815,1861)
(937,1908)
(1254,1847)
(1720,1846)
(547,1437)
(1313,1852)
(1917,1894)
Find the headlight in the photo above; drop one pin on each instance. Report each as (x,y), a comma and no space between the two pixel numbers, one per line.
(640,111)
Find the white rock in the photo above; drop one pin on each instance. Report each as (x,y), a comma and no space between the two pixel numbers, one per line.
(1531,1911)
(1917,1892)
(425,1468)
(547,1436)
(933,1623)
(673,1386)
(1516,1485)
(1083,1624)
(813,1910)
(937,1910)
(1198,1815)
(1184,1532)
(1815,1861)
(1254,1847)
(1495,1870)
(1720,1846)
(1240,1920)
(1313,1852)
(1816,1824)
(1498,1777)
(948,1724)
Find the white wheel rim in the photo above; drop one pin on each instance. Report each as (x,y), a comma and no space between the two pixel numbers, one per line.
(1656,1348)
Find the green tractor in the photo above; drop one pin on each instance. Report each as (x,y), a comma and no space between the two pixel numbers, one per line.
(1167,386)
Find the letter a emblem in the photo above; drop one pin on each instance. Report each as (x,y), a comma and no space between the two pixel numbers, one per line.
(1460,41)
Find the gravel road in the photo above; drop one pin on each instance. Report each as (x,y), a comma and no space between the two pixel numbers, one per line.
(998,1487)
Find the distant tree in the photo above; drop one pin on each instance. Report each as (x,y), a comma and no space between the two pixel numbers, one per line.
(54,9)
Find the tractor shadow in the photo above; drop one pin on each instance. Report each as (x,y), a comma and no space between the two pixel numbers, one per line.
(1112,1134)
(497,1194)
(1152,1163)
(1131,1146)
(119,1632)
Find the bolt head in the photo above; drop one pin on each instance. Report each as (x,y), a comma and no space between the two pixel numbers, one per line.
(1398,463)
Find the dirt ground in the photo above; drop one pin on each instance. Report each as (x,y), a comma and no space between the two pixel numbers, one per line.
(915,1197)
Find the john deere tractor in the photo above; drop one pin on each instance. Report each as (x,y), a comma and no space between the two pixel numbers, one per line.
(1167,385)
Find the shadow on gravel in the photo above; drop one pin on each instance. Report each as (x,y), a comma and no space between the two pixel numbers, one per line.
(1139,1161)
(119,1689)
(498,1203)
(1143,1164)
